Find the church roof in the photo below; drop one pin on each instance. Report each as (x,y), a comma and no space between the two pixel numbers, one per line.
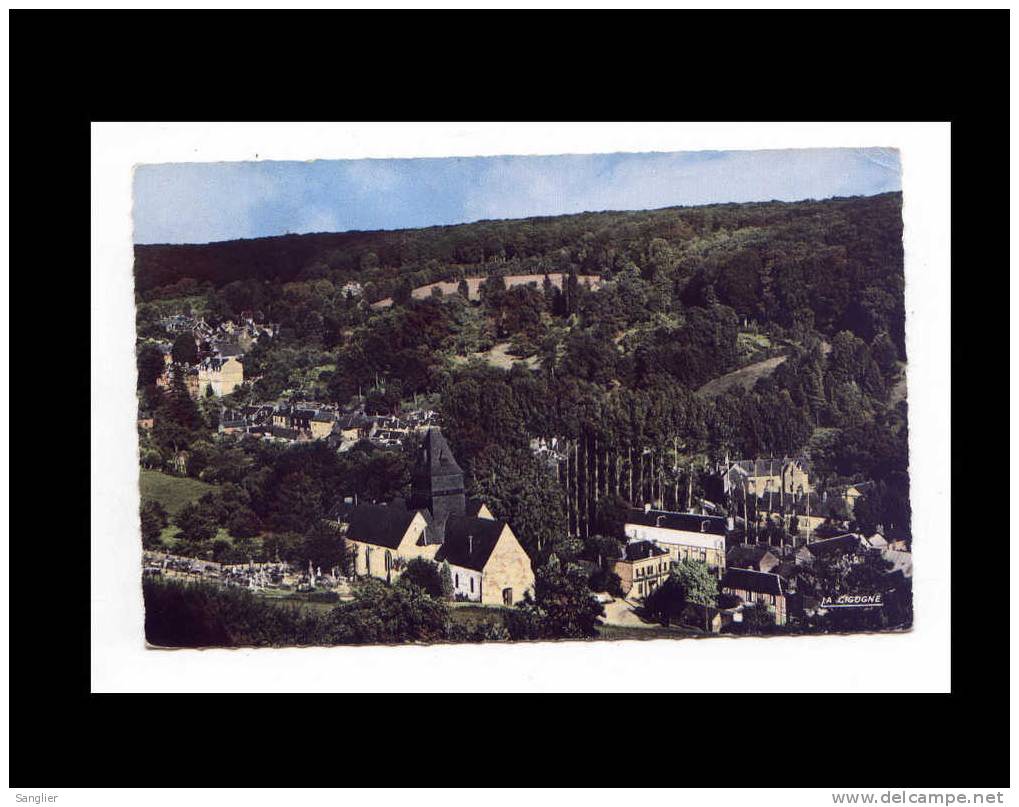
(469,541)
(380,525)
(438,455)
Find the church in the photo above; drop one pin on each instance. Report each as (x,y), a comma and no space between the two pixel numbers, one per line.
(487,563)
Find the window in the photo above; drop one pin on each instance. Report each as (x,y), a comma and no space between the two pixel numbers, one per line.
(456,580)
(472,585)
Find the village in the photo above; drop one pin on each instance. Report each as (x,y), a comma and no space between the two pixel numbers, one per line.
(219,371)
(761,541)
(577,427)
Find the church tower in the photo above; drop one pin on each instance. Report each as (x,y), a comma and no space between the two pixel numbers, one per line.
(438,482)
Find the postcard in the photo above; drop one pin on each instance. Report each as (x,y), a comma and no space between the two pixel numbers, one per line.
(500,399)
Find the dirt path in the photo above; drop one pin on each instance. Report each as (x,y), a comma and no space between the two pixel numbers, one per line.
(620,612)
(744,377)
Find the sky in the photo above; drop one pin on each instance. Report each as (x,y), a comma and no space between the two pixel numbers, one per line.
(179,203)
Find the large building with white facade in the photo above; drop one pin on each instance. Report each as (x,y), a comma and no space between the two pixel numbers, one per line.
(685,536)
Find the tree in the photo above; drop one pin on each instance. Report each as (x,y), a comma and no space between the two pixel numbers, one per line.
(387,614)
(284,546)
(150,365)
(562,607)
(689,583)
(154,520)
(604,580)
(612,513)
(324,546)
(519,488)
(426,575)
(699,584)
(184,350)
(244,523)
(447,580)
(666,602)
(757,619)
(402,292)
(196,528)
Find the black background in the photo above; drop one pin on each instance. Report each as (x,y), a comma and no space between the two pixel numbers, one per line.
(70,68)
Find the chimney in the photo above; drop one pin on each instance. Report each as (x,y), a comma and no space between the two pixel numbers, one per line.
(470,545)
(647,507)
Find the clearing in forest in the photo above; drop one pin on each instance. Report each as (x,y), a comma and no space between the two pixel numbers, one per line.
(744,377)
(499,356)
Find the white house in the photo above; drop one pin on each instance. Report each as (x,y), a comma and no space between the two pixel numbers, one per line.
(685,536)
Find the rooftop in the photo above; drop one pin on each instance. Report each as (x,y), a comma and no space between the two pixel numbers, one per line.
(379,524)
(642,550)
(469,541)
(686,522)
(749,580)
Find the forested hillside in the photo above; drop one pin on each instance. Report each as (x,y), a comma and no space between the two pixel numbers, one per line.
(686,295)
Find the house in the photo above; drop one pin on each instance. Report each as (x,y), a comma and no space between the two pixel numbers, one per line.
(749,556)
(643,568)
(322,423)
(849,545)
(288,435)
(296,418)
(257,414)
(228,350)
(854,492)
(349,428)
(232,423)
(756,588)
(811,512)
(222,375)
(487,563)
(685,536)
(782,477)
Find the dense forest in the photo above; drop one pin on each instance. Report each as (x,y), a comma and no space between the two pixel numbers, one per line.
(613,375)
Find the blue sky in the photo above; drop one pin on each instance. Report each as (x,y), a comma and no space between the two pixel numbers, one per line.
(202,202)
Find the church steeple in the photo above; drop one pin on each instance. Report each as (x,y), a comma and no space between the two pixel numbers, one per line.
(438,482)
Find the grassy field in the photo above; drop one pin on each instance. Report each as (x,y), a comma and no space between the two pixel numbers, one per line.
(498,357)
(616,632)
(745,377)
(297,598)
(477,615)
(173,492)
